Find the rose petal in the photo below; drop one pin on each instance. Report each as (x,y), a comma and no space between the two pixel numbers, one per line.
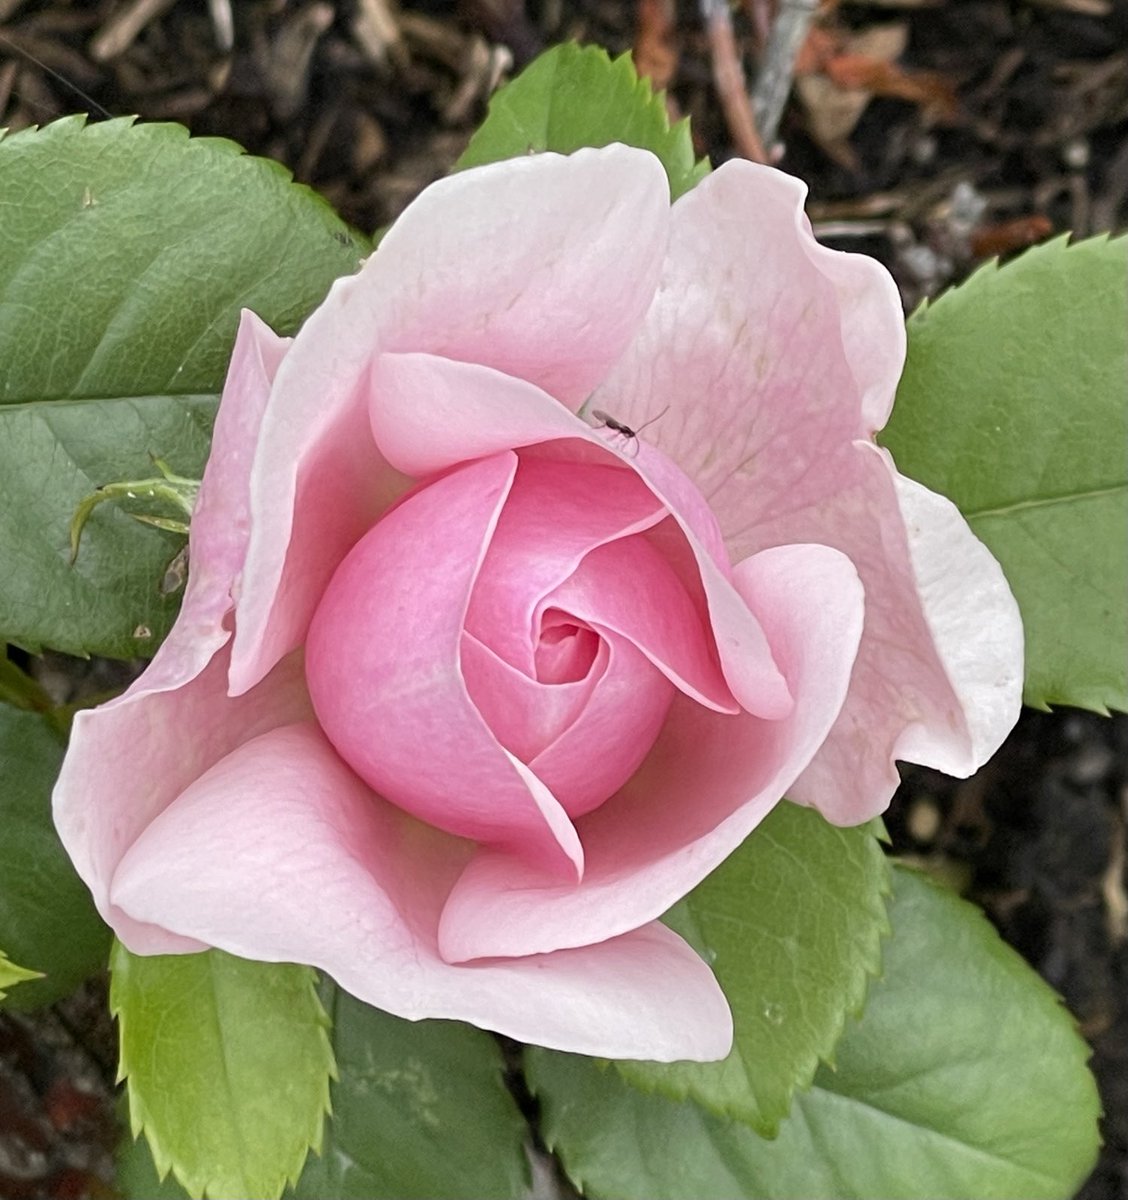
(766,346)
(506,265)
(628,588)
(281,853)
(975,623)
(802,347)
(128,759)
(599,751)
(383,666)
(915,690)
(555,514)
(524,714)
(709,781)
(976,626)
(431,414)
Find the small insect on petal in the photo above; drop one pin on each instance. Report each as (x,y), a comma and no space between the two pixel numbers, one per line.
(606,421)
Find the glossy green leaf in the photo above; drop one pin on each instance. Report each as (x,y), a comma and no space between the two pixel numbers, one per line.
(11,974)
(48,922)
(126,253)
(574,96)
(227,1063)
(420,1112)
(1012,404)
(965,1077)
(791,924)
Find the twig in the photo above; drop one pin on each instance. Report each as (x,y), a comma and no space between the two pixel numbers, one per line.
(728,78)
(223,22)
(773,83)
(119,31)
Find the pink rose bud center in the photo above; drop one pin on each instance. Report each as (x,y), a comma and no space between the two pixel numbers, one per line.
(500,618)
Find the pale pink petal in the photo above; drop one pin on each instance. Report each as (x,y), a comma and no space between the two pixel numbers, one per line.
(975,624)
(628,588)
(905,698)
(281,854)
(539,267)
(383,665)
(779,359)
(555,514)
(745,652)
(766,346)
(428,412)
(707,784)
(130,757)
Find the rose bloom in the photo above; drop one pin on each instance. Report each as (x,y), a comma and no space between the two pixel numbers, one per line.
(469,687)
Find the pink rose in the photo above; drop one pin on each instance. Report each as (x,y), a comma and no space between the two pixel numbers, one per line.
(467,689)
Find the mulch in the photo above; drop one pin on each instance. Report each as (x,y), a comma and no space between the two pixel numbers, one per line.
(934,134)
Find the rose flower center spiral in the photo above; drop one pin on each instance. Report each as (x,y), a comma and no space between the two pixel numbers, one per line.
(532,666)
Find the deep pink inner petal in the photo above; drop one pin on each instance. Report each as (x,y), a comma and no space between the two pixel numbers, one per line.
(566,649)
(525,715)
(628,587)
(383,664)
(556,512)
(613,732)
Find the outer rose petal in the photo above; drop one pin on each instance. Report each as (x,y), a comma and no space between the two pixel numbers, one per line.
(505,265)
(129,758)
(709,781)
(282,830)
(975,622)
(801,348)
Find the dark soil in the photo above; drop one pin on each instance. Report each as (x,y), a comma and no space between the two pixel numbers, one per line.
(974,128)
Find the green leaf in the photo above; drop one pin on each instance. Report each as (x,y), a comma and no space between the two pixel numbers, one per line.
(965,1077)
(574,96)
(126,253)
(791,924)
(228,1064)
(420,1110)
(47,919)
(1012,405)
(11,974)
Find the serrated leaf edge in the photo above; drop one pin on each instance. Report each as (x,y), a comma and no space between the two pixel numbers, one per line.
(77,124)
(808,1067)
(12,974)
(652,97)
(987,272)
(140,1120)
